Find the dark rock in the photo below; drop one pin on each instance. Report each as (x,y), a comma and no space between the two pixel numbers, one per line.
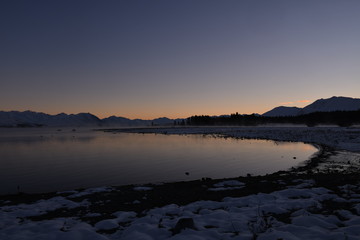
(182,224)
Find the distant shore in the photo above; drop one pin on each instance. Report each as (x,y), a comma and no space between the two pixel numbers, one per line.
(338,138)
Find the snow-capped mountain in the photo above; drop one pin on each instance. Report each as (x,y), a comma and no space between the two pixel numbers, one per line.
(322,105)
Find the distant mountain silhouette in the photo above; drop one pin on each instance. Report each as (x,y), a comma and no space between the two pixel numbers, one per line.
(117,121)
(32,119)
(333,104)
(283,111)
(37,119)
(121,121)
(322,105)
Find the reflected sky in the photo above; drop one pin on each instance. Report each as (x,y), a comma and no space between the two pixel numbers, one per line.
(117,159)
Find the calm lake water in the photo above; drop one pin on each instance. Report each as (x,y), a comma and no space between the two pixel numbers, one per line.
(43,160)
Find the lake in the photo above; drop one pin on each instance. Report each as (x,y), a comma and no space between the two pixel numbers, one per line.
(44,160)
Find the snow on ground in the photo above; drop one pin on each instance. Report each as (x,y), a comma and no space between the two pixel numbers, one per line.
(342,161)
(227,185)
(300,211)
(88,191)
(141,188)
(15,225)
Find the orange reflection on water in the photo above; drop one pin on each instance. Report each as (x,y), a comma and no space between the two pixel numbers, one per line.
(48,160)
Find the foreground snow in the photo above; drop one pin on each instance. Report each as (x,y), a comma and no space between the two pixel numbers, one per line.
(300,211)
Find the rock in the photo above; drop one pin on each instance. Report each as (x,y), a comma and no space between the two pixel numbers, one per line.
(182,224)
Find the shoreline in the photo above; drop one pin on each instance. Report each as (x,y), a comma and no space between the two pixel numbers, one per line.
(285,201)
(339,138)
(323,154)
(320,148)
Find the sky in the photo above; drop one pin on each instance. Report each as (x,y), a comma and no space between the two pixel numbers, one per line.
(166,58)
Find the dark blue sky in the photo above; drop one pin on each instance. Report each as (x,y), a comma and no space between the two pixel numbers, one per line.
(176,58)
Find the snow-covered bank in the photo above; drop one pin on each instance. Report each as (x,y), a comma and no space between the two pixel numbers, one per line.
(295,209)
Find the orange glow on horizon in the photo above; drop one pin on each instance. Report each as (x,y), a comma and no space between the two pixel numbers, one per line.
(146,113)
(287,103)
(181,113)
(295,102)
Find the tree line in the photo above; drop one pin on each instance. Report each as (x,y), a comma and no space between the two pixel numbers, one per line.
(339,118)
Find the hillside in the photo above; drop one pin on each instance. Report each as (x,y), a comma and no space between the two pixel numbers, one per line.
(321,105)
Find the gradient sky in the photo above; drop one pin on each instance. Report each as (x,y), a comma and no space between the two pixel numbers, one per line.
(148,59)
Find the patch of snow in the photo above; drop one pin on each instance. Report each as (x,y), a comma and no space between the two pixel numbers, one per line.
(124,216)
(229,183)
(107,224)
(141,188)
(224,188)
(90,191)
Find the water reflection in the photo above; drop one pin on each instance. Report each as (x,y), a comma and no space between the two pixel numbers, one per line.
(70,160)
(43,135)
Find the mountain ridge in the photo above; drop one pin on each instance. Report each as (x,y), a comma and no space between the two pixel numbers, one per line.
(321,105)
(36,119)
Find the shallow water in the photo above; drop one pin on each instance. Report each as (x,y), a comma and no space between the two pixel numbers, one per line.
(43,160)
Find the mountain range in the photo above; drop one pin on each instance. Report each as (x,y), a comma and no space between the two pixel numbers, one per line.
(36,119)
(33,119)
(321,105)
